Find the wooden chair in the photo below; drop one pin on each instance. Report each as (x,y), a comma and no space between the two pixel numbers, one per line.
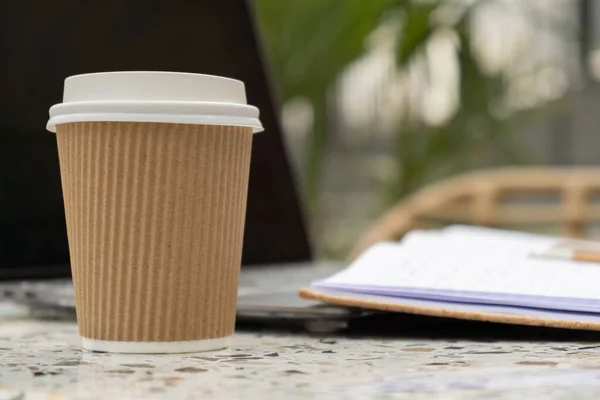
(529,199)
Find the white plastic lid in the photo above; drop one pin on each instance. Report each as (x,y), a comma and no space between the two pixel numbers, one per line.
(170,97)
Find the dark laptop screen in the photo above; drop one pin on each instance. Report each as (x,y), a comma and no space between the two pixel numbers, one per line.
(43,42)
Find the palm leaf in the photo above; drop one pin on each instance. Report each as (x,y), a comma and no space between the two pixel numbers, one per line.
(309,44)
(416,29)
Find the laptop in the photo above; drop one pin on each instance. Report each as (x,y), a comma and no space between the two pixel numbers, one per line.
(204,36)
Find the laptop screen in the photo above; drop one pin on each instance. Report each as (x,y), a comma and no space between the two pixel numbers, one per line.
(44,42)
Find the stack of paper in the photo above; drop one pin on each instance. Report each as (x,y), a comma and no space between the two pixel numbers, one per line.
(473,269)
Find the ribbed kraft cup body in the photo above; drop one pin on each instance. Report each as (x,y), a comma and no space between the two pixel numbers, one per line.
(155,219)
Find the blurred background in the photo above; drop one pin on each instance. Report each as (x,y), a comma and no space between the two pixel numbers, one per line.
(382,97)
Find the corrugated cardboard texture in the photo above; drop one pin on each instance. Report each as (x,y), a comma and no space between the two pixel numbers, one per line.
(155,219)
(349,301)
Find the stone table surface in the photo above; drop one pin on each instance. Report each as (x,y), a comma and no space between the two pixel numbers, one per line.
(42,360)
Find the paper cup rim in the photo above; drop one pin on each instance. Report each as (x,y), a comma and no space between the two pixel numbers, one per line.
(183,112)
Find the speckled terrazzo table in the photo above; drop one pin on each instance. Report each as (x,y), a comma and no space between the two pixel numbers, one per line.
(42,360)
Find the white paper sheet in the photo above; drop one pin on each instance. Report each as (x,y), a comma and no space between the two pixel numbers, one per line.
(473,265)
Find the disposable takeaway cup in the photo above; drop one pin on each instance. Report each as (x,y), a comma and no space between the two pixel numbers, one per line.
(154,169)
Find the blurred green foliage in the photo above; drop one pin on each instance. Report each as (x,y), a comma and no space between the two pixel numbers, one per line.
(477,134)
(311,42)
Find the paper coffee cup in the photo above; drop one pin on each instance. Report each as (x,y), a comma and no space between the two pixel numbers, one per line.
(154,169)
